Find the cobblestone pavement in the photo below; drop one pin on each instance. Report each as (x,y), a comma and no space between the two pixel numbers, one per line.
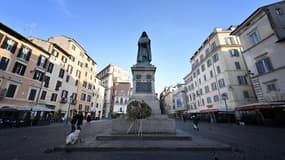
(249,142)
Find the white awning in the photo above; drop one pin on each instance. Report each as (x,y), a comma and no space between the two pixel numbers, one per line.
(42,108)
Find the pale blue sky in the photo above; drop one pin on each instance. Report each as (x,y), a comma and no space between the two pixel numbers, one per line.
(109,29)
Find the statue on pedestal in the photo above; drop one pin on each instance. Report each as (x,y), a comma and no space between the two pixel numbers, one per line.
(144,51)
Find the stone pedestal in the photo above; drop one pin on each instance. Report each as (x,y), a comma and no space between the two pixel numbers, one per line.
(143,86)
(143,90)
(156,124)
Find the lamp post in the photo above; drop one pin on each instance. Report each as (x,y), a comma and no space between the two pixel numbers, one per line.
(224,97)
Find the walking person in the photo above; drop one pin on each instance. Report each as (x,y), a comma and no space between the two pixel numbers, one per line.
(73,121)
(196,122)
(79,120)
(88,119)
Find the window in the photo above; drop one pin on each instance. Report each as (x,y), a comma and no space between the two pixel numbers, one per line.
(203,67)
(205,78)
(53,97)
(278,11)
(69,69)
(64,94)
(209,100)
(32,95)
(19,68)
(234,52)
(245,94)
(50,67)
(83,96)
(264,65)
(271,87)
(213,45)
(46,84)
(43,95)
(80,107)
(58,85)
(76,83)
(67,78)
(38,75)
(211,74)
(89,86)
(84,84)
(207,89)
(242,80)
(11,91)
(72,58)
(198,71)
(4,63)
(237,65)
(63,59)
(254,38)
(207,51)
(221,83)
(24,53)
(216,98)
(88,98)
(78,73)
(215,58)
(9,45)
(214,86)
(230,40)
(201,58)
(224,96)
(218,69)
(42,62)
(54,53)
(209,62)
(61,73)
(73,47)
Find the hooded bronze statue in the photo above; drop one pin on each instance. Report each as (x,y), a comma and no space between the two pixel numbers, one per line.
(144,51)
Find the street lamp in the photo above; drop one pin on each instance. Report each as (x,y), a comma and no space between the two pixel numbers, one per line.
(225,97)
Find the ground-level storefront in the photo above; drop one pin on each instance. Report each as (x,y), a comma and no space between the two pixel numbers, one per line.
(272,113)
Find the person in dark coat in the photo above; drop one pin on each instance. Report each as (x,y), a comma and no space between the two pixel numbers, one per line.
(73,121)
(79,120)
(88,118)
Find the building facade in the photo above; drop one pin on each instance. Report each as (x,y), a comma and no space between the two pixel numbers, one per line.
(167,100)
(46,76)
(122,92)
(22,65)
(262,36)
(218,75)
(109,75)
(83,68)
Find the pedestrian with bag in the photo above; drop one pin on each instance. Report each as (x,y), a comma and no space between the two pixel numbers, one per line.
(74,120)
(79,120)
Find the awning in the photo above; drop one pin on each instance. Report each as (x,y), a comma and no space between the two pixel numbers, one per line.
(41,108)
(15,108)
(255,106)
(209,110)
